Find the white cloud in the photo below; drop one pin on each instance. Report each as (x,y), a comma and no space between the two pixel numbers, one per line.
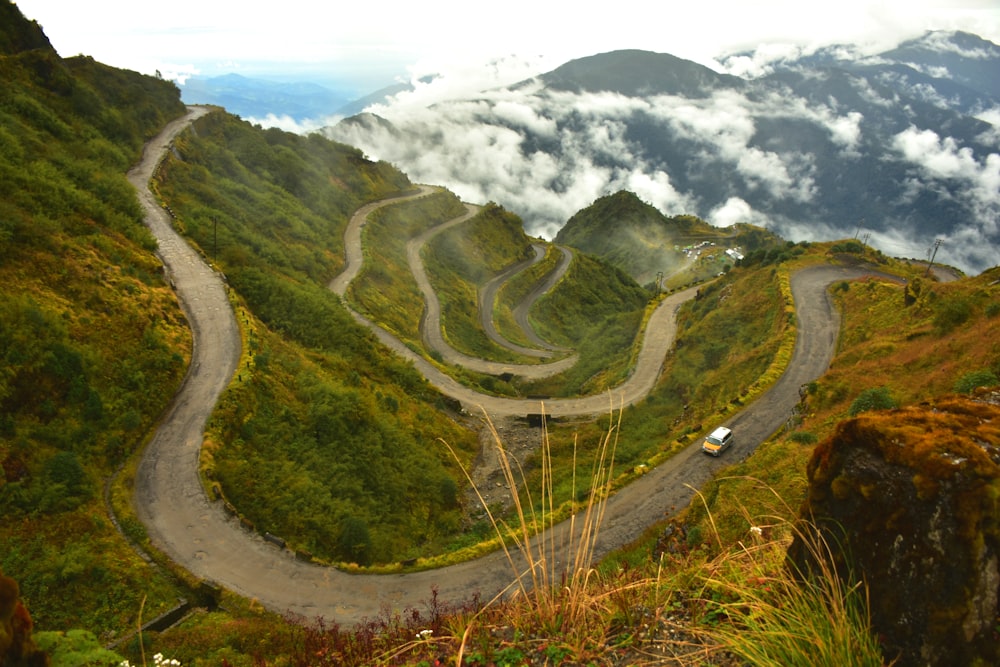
(846,131)
(522,115)
(940,42)
(735,210)
(658,191)
(289,124)
(761,61)
(942,159)
(991,136)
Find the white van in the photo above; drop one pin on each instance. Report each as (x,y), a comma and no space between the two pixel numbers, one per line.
(718,441)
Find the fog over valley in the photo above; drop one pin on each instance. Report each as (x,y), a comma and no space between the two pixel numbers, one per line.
(902,147)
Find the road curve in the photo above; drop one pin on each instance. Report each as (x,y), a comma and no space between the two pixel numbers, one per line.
(658,339)
(487,299)
(200,537)
(430,324)
(524,307)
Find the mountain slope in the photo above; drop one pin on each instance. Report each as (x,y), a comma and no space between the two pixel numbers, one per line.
(633,235)
(93,342)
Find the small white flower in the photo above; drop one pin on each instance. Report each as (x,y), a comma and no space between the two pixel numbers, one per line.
(756,530)
(424,634)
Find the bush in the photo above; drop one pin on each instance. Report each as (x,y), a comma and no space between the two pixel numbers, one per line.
(970,381)
(872,399)
(355,542)
(75,647)
(953,314)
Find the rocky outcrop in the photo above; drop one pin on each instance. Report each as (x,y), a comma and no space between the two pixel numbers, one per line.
(17,648)
(913,498)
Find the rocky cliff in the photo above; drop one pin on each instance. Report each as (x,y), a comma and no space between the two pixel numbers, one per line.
(909,499)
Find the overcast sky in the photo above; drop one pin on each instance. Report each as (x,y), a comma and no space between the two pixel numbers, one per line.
(366,45)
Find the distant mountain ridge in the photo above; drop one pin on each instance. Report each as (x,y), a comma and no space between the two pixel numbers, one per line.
(249,97)
(259,98)
(903,147)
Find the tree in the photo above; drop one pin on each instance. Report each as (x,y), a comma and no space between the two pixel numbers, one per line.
(355,543)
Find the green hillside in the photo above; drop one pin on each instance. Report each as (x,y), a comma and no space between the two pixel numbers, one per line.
(640,240)
(459,261)
(630,234)
(92,340)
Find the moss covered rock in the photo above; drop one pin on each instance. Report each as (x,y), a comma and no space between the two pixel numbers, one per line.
(17,646)
(913,498)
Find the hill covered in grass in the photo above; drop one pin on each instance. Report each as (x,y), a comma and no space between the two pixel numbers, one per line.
(92,340)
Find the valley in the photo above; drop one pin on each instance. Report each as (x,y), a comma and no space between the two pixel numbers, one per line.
(199,535)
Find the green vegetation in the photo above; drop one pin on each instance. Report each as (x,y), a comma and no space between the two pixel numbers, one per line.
(597,311)
(326,439)
(266,200)
(342,462)
(76,647)
(975,379)
(385,289)
(515,291)
(633,236)
(877,398)
(460,261)
(92,341)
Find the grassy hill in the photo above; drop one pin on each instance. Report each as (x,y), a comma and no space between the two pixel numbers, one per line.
(322,412)
(331,442)
(92,340)
(637,238)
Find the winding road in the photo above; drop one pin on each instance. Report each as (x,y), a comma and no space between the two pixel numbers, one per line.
(488,295)
(201,537)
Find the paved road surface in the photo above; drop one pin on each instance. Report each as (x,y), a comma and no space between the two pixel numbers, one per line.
(202,538)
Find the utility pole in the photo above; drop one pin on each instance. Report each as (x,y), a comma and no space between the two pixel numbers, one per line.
(858,230)
(937,244)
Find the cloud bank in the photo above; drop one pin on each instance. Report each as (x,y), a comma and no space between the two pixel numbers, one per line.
(775,154)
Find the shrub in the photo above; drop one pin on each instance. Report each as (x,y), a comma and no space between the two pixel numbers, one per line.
(970,381)
(872,399)
(803,437)
(355,542)
(953,313)
(75,647)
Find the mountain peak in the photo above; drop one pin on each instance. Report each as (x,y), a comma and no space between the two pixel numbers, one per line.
(637,73)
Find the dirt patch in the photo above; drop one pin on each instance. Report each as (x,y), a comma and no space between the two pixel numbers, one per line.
(518,440)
